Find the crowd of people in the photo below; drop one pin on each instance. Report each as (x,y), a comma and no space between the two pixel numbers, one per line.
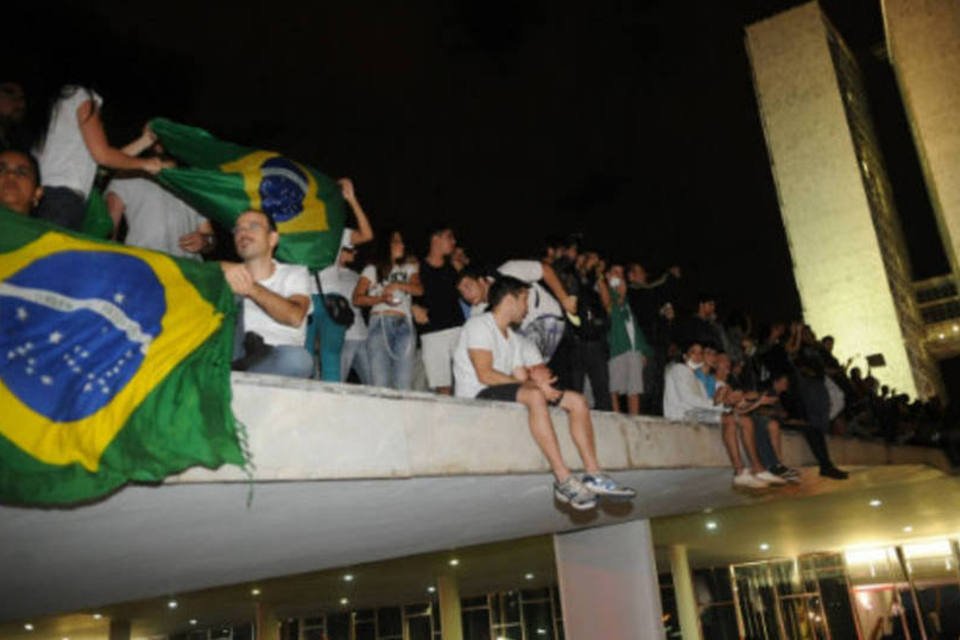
(565,326)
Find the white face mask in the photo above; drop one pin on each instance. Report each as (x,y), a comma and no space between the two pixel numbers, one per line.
(615,282)
(694,365)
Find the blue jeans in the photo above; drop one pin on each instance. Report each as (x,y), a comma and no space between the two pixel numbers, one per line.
(390,345)
(768,458)
(354,356)
(286,360)
(331,340)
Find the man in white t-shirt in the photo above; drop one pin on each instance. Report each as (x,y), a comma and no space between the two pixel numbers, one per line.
(276,300)
(157,219)
(492,362)
(543,324)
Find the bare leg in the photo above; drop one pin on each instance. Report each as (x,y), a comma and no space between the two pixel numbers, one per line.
(615,402)
(728,429)
(749,442)
(776,439)
(581,429)
(633,404)
(541,428)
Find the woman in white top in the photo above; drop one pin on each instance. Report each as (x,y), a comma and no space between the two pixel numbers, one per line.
(386,286)
(74,144)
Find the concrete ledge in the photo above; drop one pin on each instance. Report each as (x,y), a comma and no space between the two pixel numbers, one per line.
(308,430)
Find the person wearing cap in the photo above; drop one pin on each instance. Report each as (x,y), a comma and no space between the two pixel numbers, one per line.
(342,347)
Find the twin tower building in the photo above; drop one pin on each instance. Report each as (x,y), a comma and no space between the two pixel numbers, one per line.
(846,237)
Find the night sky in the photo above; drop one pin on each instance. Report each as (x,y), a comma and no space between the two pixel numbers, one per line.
(632,122)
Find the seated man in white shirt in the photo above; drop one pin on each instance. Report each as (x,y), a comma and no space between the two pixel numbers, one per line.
(492,362)
(276,299)
(685,398)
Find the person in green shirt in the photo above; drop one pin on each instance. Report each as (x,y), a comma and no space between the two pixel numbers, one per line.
(628,346)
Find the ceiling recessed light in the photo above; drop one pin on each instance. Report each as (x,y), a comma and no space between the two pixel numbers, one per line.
(711,525)
(173,604)
(764,546)
(454,562)
(908,529)
(876,502)
(528,576)
(348,577)
(65,638)
(193,621)
(97,616)
(344,601)
(255,591)
(431,589)
(28,627)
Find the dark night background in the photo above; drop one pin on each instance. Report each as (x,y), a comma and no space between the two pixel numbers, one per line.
(632,122)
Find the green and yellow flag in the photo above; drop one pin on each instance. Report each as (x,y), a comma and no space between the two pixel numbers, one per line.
(114,365)
(222,180)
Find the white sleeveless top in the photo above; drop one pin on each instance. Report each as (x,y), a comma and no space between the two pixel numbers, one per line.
(65,160)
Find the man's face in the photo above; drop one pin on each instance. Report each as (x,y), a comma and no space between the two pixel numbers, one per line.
(471,290)
(13,104)
(723,365)
(446,241)
(518,306)
(253,236)
(18,183)
(707,309)
(694,354)
(828,344)
(637,274)
(781,384)
(710,357)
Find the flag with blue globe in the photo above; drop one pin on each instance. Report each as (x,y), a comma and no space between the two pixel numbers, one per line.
(223,180)
(114,365)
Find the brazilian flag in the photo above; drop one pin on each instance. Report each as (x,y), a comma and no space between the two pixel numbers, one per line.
(114,365)
(222,180)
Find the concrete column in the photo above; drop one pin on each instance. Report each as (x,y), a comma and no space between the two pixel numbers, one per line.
(119,629)
(267,623)
(608,583)
(451,624)
(683,591)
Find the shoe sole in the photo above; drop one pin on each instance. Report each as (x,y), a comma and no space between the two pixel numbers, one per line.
(612,494)
(573,505)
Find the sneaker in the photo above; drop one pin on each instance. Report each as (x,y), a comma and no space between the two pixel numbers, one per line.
(571,491)
(770,478)
(603,485)
(788,474)
(747,480)
(833,472)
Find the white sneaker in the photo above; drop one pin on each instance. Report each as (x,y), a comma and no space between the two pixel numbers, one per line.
(770,478)
(748,480)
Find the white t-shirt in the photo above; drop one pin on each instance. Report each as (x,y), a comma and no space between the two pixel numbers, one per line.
(399,273)
(65,160)
(540,302)
(342,280)
(287,280)
(509,352)
(156,219)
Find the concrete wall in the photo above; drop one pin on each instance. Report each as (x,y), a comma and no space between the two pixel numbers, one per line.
(838,260)
(306,430)
(923,41)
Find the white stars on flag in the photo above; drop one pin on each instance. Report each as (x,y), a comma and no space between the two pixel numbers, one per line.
(55,337)
(119,297)
(22,314)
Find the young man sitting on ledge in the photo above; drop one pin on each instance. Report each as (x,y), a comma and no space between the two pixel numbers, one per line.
(493,362)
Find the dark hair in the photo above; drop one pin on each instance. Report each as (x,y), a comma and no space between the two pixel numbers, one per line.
(382,259)
(712,345)
(825,338)
(706,296)
(437,227)
(470,271)
(689,343)
(502,287)
(34,165)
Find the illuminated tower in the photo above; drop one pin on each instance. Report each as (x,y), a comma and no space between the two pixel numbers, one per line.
(849,257)
(923,43)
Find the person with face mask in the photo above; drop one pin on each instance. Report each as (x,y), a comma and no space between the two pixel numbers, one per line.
(628,346)
(686,399)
